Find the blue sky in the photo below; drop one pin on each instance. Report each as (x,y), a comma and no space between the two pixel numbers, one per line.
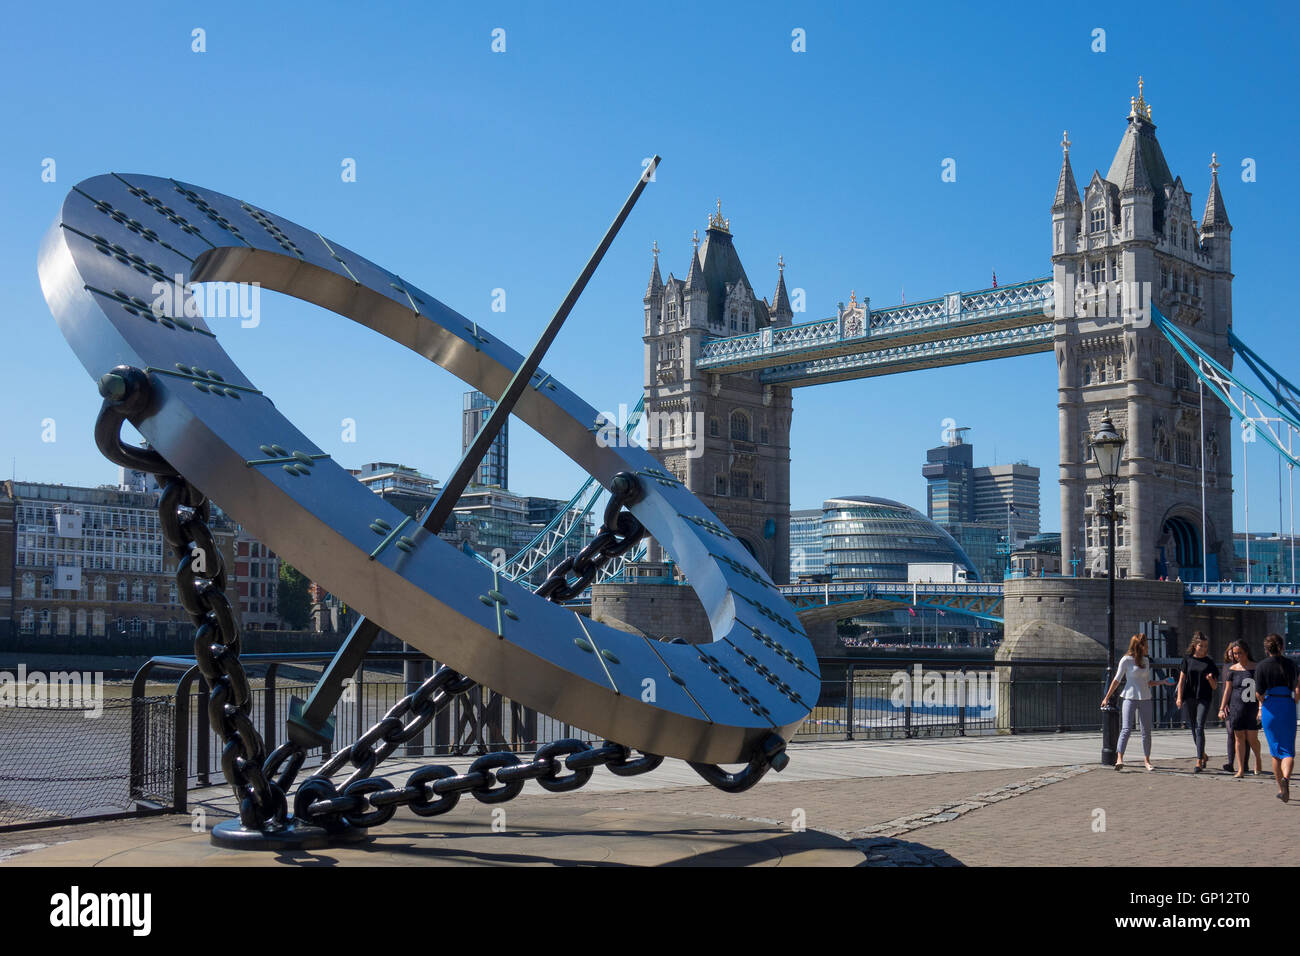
(479,170)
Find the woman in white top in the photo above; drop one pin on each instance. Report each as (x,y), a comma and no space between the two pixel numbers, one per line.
(1135,669)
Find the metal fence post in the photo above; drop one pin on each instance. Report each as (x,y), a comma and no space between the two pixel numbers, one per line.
(1060,700)
(849,709)
(961,709)
(268,707)
(1011,699)
(202,757)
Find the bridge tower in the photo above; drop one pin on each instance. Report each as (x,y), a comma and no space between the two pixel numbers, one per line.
(726,436)
(1130,239)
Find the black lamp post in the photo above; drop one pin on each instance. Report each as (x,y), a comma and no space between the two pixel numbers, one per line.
(1108,447)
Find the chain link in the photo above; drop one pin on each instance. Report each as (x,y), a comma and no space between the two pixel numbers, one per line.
(200,582)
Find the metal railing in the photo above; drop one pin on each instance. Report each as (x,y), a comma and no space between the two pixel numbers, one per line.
(477,723)
(888,697)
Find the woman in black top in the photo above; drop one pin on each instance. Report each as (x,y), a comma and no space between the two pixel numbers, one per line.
(1277,682)
(1241,706)
(1195,692)
(1224,678)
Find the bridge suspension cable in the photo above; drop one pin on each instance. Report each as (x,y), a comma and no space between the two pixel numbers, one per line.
(569,522)
(1259,414)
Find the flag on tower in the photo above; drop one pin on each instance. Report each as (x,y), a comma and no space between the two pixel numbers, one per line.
(995,278)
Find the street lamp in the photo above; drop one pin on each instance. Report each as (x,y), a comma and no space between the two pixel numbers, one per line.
(1108,448)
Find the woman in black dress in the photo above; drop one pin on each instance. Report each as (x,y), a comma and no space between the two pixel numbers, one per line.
(1224,678)
(1195,692)
(1241,706)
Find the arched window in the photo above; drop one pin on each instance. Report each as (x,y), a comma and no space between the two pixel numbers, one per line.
(171,593)
(29,585)
(84,592)
(45,620)
(1087,373)
(97,622)
(149,627)
(153,592)
(101,589)
(27,621)
(47,586)
(63,620)
(81,622)
(137,591)
(134,627)
(121,589)
(739,425)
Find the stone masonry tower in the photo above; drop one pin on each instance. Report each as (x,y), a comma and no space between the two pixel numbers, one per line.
(726,436)
(1131,239)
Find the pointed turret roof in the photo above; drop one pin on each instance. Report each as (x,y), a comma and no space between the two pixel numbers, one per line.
(721,268)
(781,301)
(1067,193)
(656,285)
(1216,213)
(695,277)
(1139,163)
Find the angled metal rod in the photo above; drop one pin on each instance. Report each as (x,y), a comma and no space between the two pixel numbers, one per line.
(308,725)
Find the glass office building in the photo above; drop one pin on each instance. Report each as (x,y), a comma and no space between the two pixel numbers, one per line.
(807,559)
(874,539)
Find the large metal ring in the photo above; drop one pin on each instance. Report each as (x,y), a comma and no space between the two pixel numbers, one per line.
(115,269)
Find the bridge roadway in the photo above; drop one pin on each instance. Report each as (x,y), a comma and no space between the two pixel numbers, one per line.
(959,327)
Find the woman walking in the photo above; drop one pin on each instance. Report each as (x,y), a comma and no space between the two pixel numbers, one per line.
(1277,681)
(1195,692)
(1240,706)
(1229,659)
(1135,669)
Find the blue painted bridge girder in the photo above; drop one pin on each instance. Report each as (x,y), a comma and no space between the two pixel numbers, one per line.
(818,602)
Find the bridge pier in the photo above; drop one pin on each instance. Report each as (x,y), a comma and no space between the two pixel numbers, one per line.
(1080,605)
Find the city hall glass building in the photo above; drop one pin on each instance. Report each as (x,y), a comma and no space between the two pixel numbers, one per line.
(874,539)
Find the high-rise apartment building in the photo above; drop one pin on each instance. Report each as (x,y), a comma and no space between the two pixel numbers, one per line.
(494,470)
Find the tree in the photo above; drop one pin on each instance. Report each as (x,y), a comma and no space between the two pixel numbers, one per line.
(294,599)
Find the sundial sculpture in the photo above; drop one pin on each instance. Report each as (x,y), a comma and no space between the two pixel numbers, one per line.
(734,700)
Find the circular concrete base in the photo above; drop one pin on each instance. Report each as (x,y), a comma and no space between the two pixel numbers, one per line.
(545,835)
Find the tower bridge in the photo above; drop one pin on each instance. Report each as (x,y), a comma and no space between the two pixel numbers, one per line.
(1138,313)
(717,352)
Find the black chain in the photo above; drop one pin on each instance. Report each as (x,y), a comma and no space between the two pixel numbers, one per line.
(183,512)
(261,782)
(619,533)
(201,582)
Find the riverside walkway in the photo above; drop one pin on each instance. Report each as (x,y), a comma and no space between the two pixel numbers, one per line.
(1039,800)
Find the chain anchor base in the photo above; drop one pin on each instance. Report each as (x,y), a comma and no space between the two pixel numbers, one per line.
(294,835)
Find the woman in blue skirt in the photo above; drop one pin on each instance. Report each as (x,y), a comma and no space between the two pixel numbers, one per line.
(1276,680)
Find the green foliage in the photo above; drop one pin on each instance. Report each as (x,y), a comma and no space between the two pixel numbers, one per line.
(294,599)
